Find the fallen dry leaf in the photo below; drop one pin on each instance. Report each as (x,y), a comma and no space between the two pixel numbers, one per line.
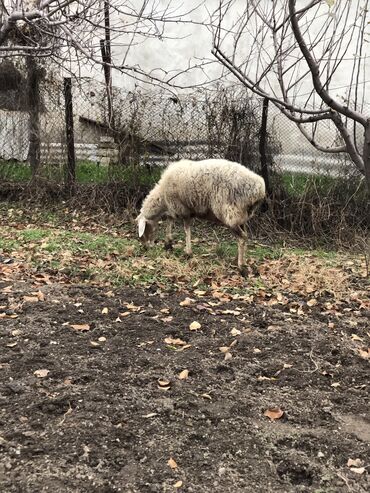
(163,384)
(228,356)
(274,413)
(186,302)
(150,415)
(131,306)
(80,327)
(355,337)
(41,373)
(12,344)
(102,339)
(178,484)
(31,299)
(224,349)
(194,325)
(172,463)
(86,450)
(40,295)
(354,463)
(221,296)
(182,348)
(175,342)
(235,332)
(5,315)
(105,311)
(358,470)
(312,302)
(364,354)
(335,384)
(261,378)
(199,292)
(230,312)
(183,375)
(94,344)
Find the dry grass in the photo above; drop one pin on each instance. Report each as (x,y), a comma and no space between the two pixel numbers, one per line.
(89,249)
(305,274)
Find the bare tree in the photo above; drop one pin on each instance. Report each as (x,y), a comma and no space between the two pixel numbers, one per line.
(300,55)
(71,31)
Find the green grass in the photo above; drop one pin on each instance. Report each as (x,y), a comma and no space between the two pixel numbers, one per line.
(86,172)
(300,184)
(8,245)
(322,192)
(14,171)
(52,240)
(34,234)
(225,250)
(123,260)
(297,183)
(120,259)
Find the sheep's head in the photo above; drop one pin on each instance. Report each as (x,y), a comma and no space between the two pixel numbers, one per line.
(146,229)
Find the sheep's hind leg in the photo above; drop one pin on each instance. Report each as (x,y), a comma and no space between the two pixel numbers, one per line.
(241,233)
(168,241)
(187,228)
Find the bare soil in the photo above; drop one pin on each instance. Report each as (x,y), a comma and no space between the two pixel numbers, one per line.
(111,411)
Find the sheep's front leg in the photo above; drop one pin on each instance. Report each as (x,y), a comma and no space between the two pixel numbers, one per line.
(168,241)
(187,225)
(241,255)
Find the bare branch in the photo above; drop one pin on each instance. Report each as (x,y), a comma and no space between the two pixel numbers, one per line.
(293,56)
(315,71)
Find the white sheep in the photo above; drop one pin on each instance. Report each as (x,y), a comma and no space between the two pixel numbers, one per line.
(214,189)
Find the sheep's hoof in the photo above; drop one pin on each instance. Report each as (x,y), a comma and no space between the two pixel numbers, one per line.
(168,245)
(243,269)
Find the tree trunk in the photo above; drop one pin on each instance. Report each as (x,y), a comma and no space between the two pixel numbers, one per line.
(34,106)
(366,154)
(70,170)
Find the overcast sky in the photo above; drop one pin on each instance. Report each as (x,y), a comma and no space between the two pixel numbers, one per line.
(190,43)
(187,44)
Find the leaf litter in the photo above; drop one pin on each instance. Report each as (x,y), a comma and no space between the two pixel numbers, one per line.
(286,287)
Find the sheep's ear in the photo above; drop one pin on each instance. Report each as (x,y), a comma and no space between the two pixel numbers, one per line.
(141,225)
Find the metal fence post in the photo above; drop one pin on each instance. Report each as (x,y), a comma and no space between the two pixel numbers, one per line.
(262,146)
(70,171)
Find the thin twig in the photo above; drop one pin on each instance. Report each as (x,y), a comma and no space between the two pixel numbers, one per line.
(314,362)
(69,411)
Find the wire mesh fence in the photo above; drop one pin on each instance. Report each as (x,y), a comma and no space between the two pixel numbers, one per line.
(149,129)
(156,127)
